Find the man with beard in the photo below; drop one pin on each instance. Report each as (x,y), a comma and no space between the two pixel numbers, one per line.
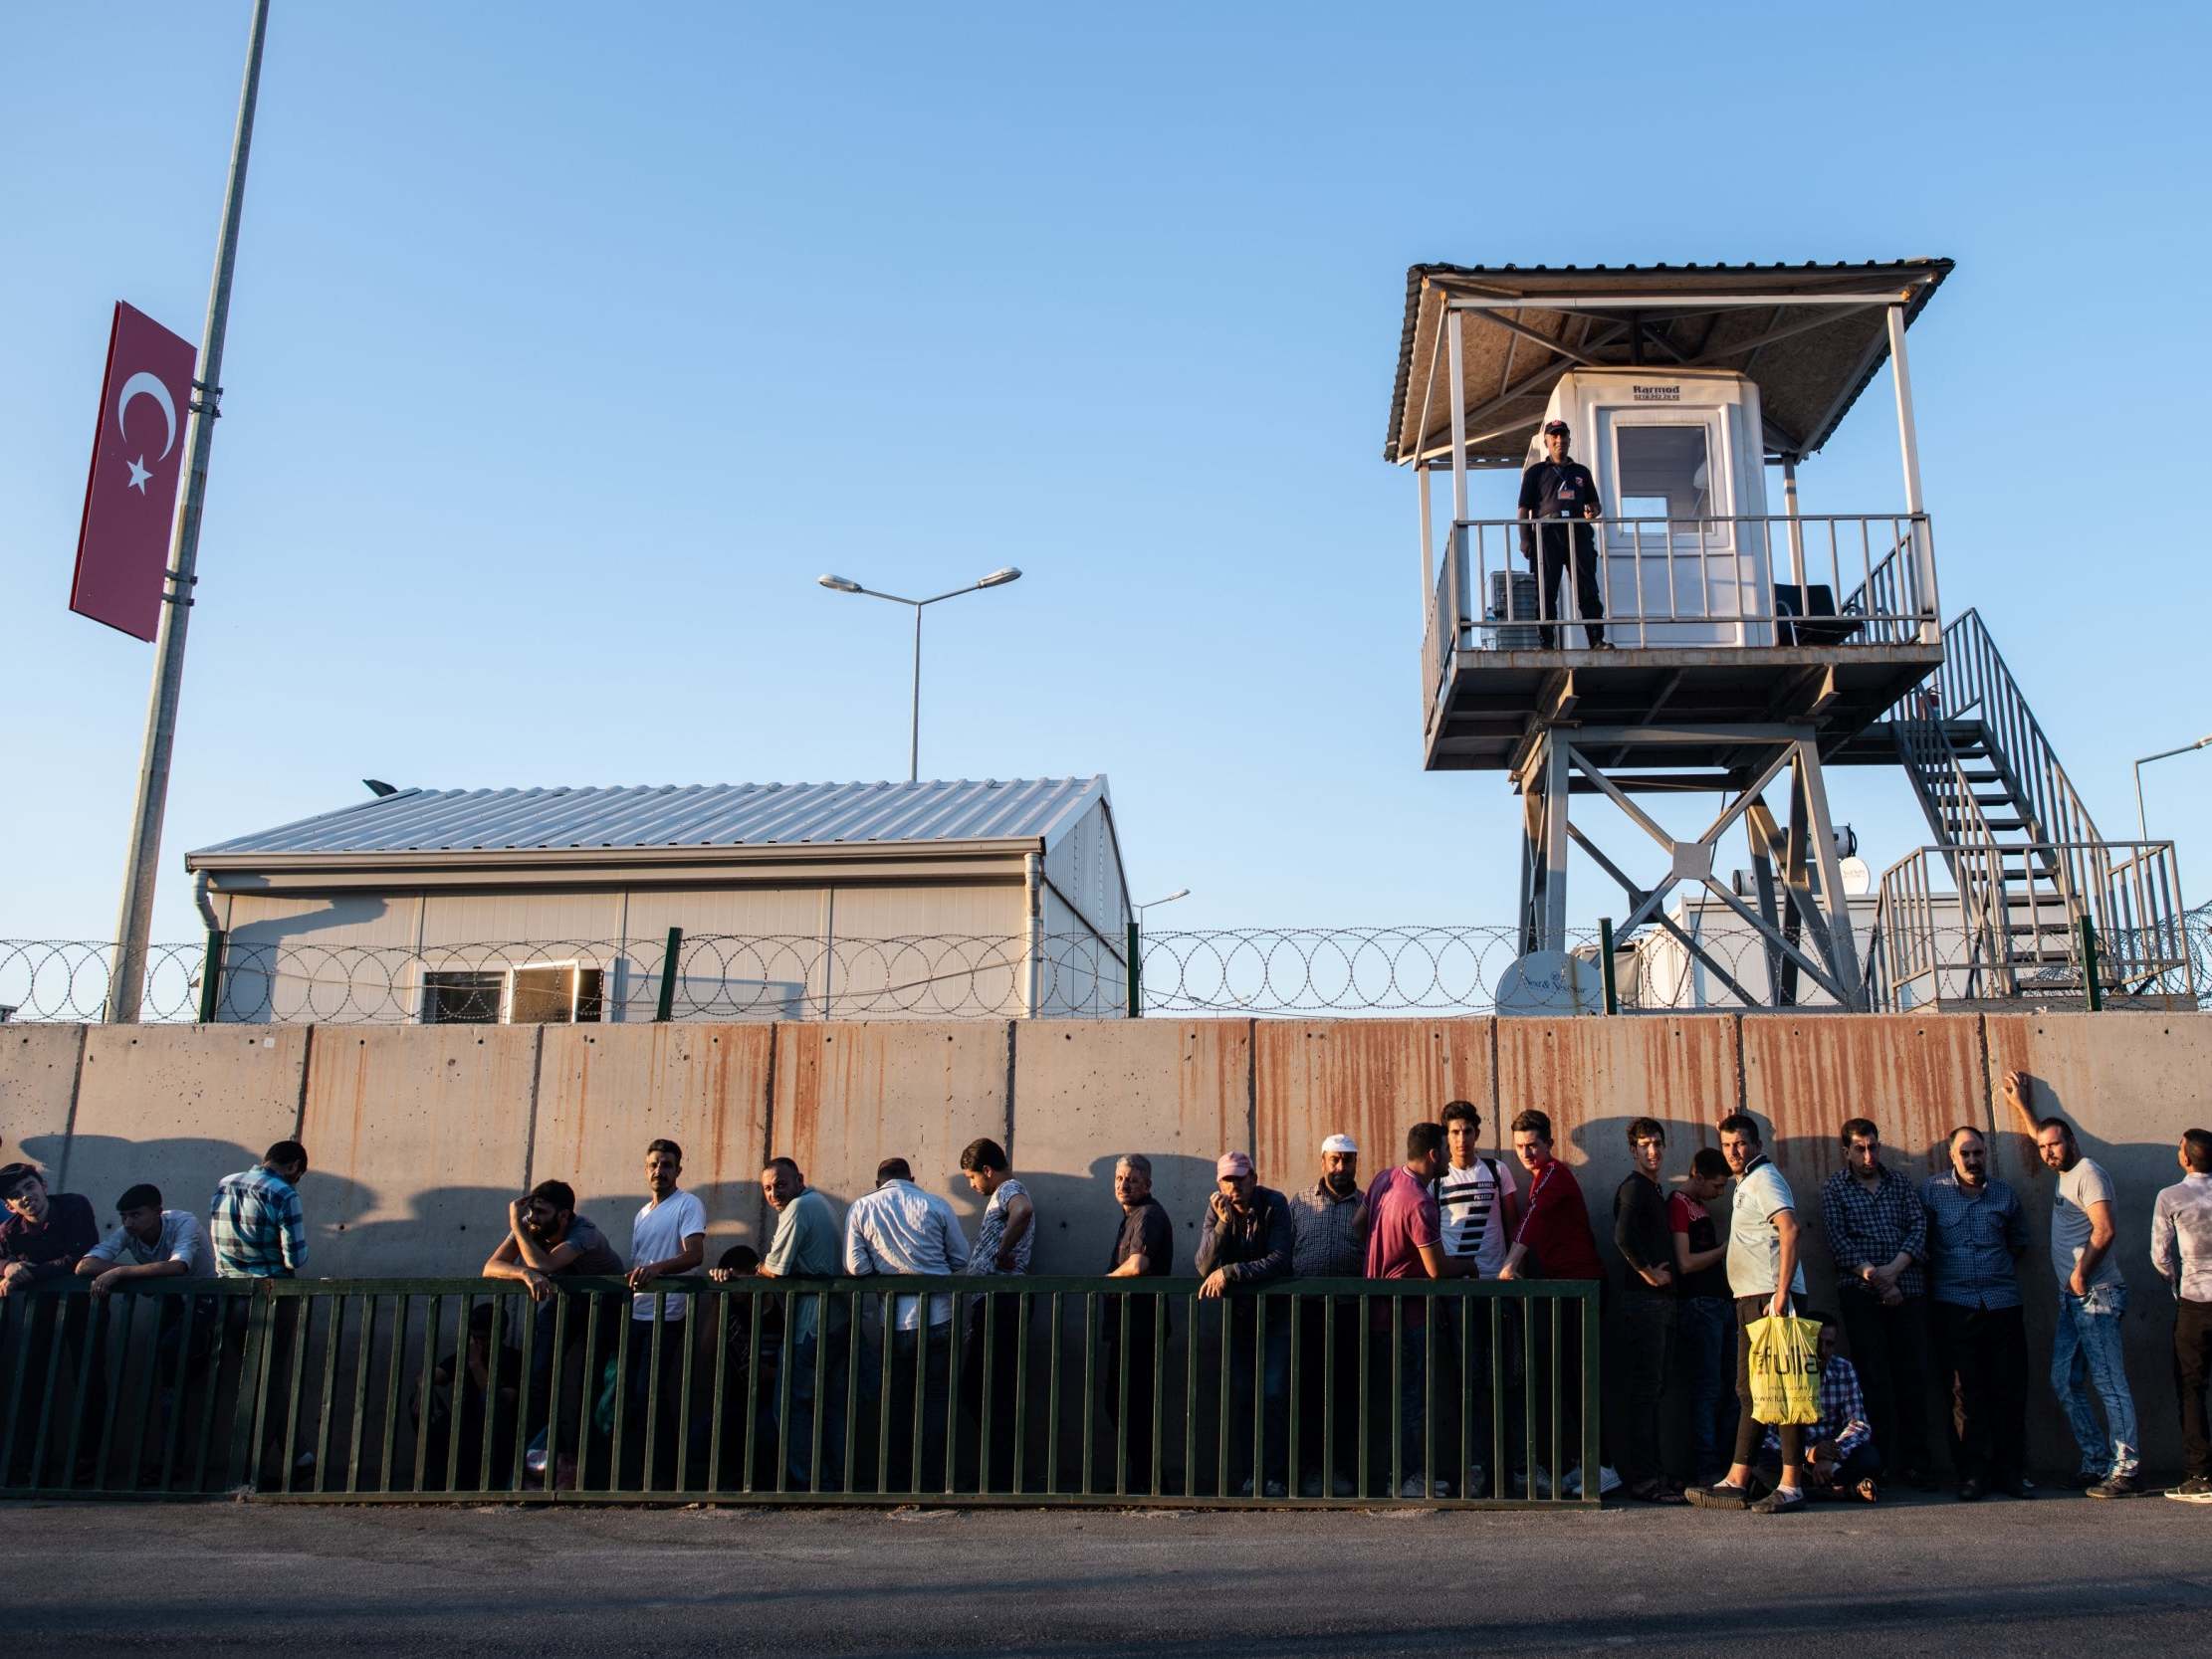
(546,1241)
(1328,1240)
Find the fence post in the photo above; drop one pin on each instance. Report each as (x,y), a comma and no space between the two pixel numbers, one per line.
(2089,964)
(1136,967)
(667,1008)
(1605,964)
(211,976)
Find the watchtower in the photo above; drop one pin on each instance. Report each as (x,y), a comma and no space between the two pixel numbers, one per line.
(1741,644)
(1743,648)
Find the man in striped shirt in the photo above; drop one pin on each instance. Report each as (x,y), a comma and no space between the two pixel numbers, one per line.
(258,1231)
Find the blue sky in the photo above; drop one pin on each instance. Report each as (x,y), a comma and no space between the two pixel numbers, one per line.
(571,342)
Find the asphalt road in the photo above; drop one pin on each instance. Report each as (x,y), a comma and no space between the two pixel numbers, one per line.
(2062,1576)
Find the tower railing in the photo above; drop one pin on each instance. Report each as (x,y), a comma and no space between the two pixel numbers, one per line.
(1833,579)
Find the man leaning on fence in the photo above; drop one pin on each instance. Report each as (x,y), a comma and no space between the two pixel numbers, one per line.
(1144,1248)
(1878,1236)
(1404,1240)
(259,1230)
(44,1237)
(547,1241)
(807,1245)
(153,1243)
(898,1229)
(1245,1243)
(991,1345)
(1765,1274)
(1554,1241)
(1328,1240)
(668,1236)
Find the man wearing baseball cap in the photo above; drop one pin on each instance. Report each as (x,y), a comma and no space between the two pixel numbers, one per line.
(1552,488)
(1328,1240)
(1247,1242)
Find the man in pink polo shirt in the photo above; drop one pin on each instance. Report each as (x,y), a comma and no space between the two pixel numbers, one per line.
(1404,1240)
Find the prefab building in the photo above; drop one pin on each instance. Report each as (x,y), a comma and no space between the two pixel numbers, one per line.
(924,900)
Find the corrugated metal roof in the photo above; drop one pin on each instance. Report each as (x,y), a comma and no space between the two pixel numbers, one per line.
(1807,381)
(693,815)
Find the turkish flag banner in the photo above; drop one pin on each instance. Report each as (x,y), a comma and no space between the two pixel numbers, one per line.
(123,546)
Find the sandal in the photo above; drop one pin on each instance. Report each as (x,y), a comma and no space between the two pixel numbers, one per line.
(1868,1491)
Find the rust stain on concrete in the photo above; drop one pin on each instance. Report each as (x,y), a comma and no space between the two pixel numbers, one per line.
(1914,1076)
(1370,1079)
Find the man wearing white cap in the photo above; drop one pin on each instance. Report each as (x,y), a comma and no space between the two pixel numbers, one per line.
(1328,1223)
(1245,1243)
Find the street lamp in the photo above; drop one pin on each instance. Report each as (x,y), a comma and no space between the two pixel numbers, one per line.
(1135,962)
(2142,833)
(845,584)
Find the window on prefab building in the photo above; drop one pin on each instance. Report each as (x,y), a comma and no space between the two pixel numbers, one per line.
(553,993)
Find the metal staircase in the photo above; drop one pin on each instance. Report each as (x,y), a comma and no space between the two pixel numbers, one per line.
(2025,863)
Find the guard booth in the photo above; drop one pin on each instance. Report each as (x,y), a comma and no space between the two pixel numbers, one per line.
(1746,641)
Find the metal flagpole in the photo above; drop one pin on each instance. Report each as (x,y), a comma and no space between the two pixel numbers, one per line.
(128,981)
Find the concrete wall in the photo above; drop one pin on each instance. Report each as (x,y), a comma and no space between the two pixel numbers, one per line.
(420,1135)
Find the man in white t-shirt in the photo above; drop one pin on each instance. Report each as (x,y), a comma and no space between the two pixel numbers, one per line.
(2086,1348)
(1764,1276)
(1478,1205)
(669,1236)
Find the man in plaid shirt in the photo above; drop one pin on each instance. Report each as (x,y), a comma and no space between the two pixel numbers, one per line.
(1878,1233)
(1840,1456)
(258,1231)
(256,1223)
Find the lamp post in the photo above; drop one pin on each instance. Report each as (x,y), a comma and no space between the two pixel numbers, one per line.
(2143,832)
(845,584)
(1136,963)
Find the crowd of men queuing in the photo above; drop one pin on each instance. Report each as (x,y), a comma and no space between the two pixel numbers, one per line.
(1925,1291)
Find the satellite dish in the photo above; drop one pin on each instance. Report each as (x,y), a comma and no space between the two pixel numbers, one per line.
(1551,983)
(1858,879)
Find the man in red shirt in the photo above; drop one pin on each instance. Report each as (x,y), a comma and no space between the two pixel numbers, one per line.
(1554,1242)
(1404,1240)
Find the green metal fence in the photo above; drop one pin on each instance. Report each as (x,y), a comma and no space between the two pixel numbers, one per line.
(1032,1391)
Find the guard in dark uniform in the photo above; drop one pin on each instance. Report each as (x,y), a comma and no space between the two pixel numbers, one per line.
(1557,488)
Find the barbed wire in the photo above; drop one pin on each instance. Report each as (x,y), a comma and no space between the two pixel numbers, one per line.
(1268,971)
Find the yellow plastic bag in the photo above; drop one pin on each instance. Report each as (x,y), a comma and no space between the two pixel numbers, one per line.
(1785,1370)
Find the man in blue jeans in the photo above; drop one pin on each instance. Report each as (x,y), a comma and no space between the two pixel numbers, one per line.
(2086,1350)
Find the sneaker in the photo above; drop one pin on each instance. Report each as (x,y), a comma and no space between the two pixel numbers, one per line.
(2197,1489)
(1275,1489)
(1412,1488)
(2082,1478)
(1543,1482)
(1607,1480)
(1478,1481)
(1245,1490)
(1571,1487)
(1783,1500)
(2118,1485)
(1718,1496)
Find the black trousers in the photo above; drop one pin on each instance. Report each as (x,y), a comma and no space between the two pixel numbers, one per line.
(1648,1337)
(1551,572)
(1889,1348)
(1749,1432)
(2192,1372)
(1000,1361)
(1984,1355)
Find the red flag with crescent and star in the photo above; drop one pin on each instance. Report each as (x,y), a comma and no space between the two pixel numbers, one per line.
(123,546)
